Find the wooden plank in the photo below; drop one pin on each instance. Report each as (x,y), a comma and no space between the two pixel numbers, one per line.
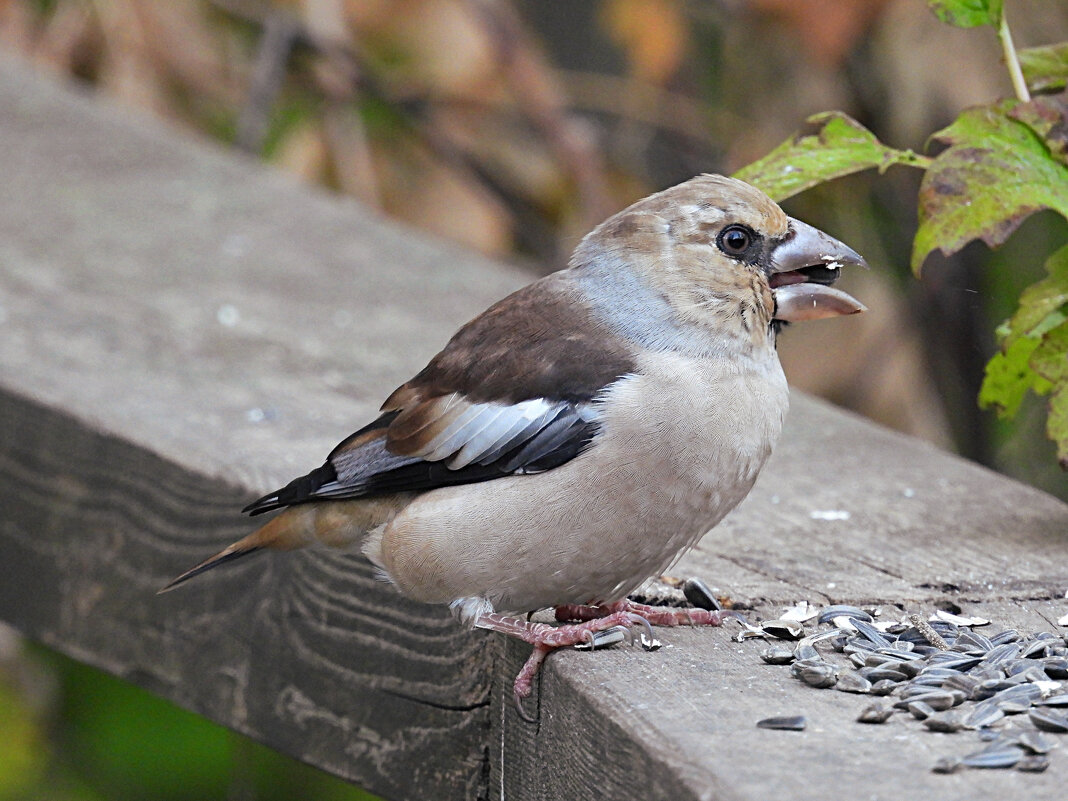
(181,330)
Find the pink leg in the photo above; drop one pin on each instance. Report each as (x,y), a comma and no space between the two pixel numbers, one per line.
(546,638)
(590,619)
(656,615)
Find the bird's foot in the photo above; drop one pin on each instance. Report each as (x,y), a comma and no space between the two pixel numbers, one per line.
(546,638)
(656,615)
(581,626)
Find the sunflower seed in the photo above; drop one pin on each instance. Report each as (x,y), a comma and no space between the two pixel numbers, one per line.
(950,721)
(870,633)
(947,765)
(604,638)
(972,641)
(1035,763)
(1036,649)
(919,709)
(700,595)
(792,723)
(1036,742)
(1056,667)
(963,683)
(852,682)
(938,701)
(1006,636)
(1001,756)
(1001,653)
(777,655)
(875,713)
(1018,698)
(983,714)
(883,686)
(1049,719)
(815,674)
(829,613)
(953,660)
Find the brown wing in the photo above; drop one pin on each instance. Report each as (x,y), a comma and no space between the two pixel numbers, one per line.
(514,391)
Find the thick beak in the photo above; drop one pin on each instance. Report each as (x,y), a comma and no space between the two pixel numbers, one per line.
(801,270)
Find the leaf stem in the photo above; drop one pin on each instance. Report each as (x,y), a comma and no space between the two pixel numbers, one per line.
(1011,61)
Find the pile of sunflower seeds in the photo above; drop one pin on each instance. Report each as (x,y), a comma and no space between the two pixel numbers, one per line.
(1011,688)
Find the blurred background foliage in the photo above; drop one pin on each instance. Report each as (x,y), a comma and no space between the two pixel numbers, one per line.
(514,127)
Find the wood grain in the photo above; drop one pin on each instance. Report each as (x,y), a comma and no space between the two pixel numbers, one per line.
(181,331)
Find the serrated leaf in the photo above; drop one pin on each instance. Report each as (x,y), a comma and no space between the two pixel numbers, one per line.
(1050,358)
(1008,378)
(1043,308)
(1057,423)
(1041,300)
(1045,68)
(1047,116)
(833,146)
(995,173)
(967,13)
(1050,361)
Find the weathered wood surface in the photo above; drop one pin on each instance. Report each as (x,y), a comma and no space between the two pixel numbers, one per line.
(181,330)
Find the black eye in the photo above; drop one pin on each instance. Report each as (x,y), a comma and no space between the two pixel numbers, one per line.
(734,240)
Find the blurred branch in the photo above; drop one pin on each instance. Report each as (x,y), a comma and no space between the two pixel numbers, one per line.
(543,102)
(280,34)
(533,232)
(661,109)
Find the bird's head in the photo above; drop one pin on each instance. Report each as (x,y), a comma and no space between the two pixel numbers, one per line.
(722,256)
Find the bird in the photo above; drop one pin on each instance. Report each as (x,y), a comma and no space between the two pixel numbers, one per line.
(581,434)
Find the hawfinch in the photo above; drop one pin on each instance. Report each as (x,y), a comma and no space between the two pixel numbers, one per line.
(576,437)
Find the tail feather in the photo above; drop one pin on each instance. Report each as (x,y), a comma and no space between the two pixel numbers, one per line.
(291,529)
(338,524)
(222,557)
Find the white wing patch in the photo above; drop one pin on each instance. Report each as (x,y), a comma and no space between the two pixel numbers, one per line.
(485,431)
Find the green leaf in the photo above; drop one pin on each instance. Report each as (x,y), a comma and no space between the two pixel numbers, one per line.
(1041,300)
(1050,361)
(1045,68)
(995,173)
(1008,378)
(1029,343)
(968,13)
(1047,116)
(835,145)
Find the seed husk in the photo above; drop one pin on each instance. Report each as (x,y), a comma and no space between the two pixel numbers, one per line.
(783,629)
